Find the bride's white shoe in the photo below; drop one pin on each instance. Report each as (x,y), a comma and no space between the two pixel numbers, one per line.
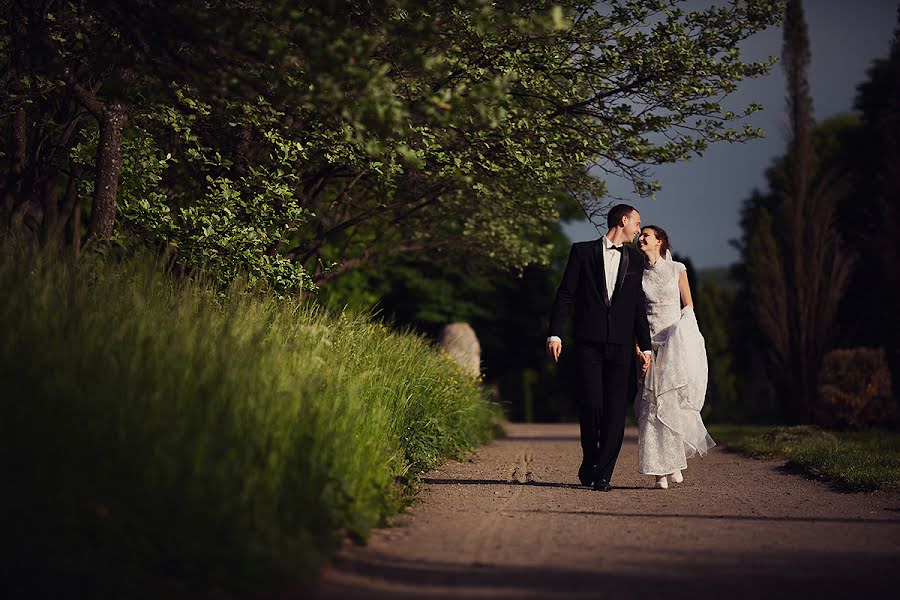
(662,483)
(677,477)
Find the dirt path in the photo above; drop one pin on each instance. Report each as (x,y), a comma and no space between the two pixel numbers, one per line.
(736,527)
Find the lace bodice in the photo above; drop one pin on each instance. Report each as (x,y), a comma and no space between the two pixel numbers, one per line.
(663,297)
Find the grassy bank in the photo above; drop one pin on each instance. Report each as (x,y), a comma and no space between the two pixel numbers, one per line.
(853,460)
(160,439)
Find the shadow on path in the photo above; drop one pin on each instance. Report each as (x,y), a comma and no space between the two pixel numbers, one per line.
(548,484)
(889,521)
(774,575)
(628,439)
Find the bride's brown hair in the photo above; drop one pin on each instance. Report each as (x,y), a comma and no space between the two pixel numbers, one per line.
(662,236)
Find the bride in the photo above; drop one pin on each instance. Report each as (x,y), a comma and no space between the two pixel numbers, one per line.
(669,400)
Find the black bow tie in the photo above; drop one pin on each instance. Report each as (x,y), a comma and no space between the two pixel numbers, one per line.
(617,248)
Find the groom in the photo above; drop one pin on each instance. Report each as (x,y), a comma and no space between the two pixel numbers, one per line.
(603,282)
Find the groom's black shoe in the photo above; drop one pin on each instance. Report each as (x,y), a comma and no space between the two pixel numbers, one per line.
(586,474)
(602,485)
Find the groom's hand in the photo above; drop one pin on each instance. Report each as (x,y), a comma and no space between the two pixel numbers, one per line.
(645,362)
(554,349)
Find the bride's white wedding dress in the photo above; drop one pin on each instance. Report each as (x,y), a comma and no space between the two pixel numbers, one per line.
(668,403)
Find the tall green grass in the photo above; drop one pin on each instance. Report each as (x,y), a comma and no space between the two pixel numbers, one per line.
(160,438)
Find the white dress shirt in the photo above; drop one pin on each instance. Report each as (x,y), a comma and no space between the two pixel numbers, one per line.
(612,256)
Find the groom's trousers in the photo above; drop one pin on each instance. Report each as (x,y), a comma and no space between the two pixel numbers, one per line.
(602,372)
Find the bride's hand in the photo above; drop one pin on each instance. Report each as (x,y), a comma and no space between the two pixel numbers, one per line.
(645,362)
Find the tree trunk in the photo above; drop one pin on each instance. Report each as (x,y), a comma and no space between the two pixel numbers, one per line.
(19,158)
(242,151)
(58,215)
(75,221)
(109,165)
(50,193)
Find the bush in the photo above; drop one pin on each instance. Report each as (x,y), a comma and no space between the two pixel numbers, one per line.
(164,439)
(855,389)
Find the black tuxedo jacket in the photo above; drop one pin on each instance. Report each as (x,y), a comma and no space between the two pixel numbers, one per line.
(623,320)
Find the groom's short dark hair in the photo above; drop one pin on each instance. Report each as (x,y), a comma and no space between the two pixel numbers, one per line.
(615,214)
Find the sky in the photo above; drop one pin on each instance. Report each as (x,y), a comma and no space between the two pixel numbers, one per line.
(700,200)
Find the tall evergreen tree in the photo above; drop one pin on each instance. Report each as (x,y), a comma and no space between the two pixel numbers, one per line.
(877,204)
(797,267)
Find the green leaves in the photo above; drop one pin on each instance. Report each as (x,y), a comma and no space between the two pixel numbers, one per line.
(349,131)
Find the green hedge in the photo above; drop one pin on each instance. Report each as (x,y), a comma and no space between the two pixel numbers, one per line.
(162,438)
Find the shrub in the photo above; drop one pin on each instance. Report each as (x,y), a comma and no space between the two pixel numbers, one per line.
(855,389)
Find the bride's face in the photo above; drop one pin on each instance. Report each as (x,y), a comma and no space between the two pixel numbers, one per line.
(648,240)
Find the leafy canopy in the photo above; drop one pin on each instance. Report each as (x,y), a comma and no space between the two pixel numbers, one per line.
(296,141)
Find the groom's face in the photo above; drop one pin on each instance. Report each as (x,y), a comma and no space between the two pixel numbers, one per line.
(632,225)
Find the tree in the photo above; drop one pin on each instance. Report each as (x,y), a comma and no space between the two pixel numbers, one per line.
(878,206)
(797,265)
(297,142)
(714,299)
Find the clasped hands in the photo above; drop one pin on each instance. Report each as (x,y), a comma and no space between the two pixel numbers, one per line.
(554,349)
(645,359)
